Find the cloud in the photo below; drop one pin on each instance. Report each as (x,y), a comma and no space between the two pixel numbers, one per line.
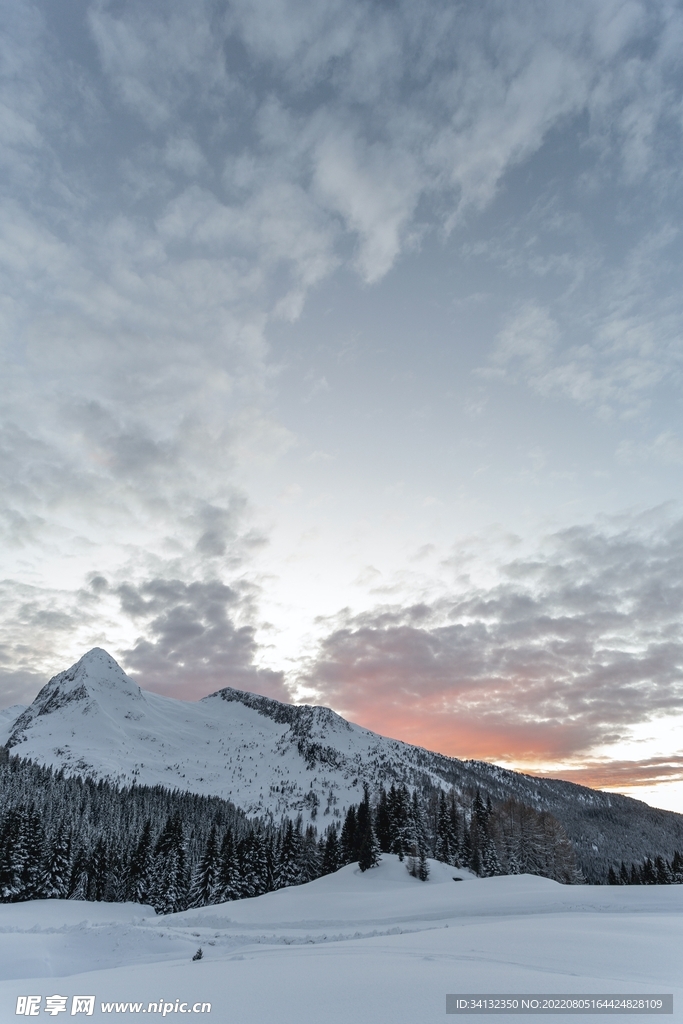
(611,341)
(565,653)
(37,624)
(618,774)
(156,55)
(666,449)
(183,154)
(529,338)
(191,642)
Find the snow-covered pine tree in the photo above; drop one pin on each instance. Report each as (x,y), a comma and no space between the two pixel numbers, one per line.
(32,874)
(289,869)
(78,883)
(170,883)
(252,859)
(204,886)
(12,855)
(228,887)
(98,870)
(58,864)
(489,857)
(140,867)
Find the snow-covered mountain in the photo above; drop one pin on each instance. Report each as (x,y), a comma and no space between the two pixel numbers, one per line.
(284,759)
(265,756)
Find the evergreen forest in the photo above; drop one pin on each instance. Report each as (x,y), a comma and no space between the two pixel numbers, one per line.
(76,838)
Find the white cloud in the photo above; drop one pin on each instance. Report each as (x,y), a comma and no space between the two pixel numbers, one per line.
(666,449)
(529,338)
(183,154)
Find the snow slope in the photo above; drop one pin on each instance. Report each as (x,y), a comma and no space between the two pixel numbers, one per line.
(375,947)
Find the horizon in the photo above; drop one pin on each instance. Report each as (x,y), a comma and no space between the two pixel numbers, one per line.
(342,359)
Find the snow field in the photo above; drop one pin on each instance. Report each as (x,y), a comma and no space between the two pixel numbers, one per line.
(350,947)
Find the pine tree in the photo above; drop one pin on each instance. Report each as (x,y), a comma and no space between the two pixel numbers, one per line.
(140,868)
(348,837)
(368,847)
(228,870)
(253,867)
(169,886)
(648,873)
(98,870)
(32,875)
(310,859)
(442,847)
(383,822)
(662,871)
(489,858)
(332,856)
(477,835)
(418,828)
(58,864)
(78,884)
(14,855)
(456,823)
(289,871)
(402,838)
(204,886)
(271,860)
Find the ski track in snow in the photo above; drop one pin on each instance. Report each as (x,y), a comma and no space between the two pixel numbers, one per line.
(375,947)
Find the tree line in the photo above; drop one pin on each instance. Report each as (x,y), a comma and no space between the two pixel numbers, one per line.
(508,839)
(653,871)
(77,838)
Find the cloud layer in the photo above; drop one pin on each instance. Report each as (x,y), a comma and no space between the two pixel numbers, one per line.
(565,654)
(180,183)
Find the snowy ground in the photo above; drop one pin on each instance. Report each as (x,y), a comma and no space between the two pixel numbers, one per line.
(375,947)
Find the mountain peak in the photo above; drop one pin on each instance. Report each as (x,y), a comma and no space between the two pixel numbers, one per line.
(96,671)
(95,681)
(98,662)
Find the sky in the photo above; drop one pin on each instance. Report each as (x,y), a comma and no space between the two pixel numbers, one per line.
(341,360)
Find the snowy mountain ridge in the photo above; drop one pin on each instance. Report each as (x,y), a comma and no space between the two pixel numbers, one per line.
(265,756)
(271,758)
